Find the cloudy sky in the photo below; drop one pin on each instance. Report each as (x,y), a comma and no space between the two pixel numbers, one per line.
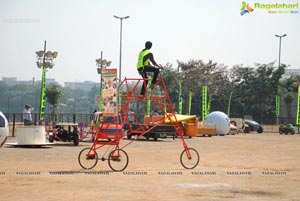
(179,29)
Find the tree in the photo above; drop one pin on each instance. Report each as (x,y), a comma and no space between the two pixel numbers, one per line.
(288,89)
(255,89)
(53,95)
(288,99)
(195,74)
(171,77)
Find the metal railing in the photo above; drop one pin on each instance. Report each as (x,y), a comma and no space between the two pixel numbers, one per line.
(15,119)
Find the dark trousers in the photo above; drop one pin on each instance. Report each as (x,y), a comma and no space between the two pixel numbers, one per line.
(27,122)
(144,75)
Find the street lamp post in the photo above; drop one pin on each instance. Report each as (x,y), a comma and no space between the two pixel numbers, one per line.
(44,61)
(284,35)
(120,59)
(280,36)
(101,63)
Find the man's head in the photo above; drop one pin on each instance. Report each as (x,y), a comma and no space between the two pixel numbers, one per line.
(148,45)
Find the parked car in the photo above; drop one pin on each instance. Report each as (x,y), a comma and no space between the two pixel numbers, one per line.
(107,126)
(253,125)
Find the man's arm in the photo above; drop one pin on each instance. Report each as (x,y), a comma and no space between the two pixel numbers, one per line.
(150,56)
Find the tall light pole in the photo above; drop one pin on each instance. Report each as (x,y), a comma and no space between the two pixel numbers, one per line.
(284,35)
(278,97)
(44,61)
(101,63)
(120,59)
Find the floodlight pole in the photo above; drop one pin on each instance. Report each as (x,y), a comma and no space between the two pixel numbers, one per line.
(120,58)
(280,36)
(43,83)
(44,57)
(44,61)
(100,72)
(284,35)
(101,64)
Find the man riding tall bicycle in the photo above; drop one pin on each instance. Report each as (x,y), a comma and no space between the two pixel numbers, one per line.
(143,66)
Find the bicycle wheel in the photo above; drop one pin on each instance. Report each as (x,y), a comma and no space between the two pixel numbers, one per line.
(189,158)
(88,158)
(118,160)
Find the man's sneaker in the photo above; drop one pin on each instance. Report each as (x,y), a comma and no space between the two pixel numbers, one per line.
(153,86)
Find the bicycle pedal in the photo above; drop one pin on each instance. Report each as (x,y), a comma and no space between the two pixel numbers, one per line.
(115,158)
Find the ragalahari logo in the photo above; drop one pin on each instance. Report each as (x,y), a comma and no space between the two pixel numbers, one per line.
(246,8)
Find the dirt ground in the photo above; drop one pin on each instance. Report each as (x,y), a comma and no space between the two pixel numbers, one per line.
(233,167)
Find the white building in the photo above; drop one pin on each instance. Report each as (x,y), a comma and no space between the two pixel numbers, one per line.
(291,72)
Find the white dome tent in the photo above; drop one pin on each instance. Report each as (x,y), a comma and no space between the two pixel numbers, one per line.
(221,120)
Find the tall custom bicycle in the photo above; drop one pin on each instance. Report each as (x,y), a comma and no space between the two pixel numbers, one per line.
(110,129)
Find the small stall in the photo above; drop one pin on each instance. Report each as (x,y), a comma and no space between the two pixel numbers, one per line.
(30,136)
(207,129)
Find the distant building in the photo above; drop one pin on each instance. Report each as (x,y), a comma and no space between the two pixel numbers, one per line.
(291,72)
(11,81)
(86,85)
(51,81)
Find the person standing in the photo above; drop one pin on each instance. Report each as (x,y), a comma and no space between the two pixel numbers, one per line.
(131,115)
(27,117)
(143,66)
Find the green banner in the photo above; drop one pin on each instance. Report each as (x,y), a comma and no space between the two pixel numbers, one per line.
(204,102)
(43,95)
(190,101)
(229,104)
(148,100)
(208,106)
(277,105)
(298,106)
(148,107)
(180,97)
